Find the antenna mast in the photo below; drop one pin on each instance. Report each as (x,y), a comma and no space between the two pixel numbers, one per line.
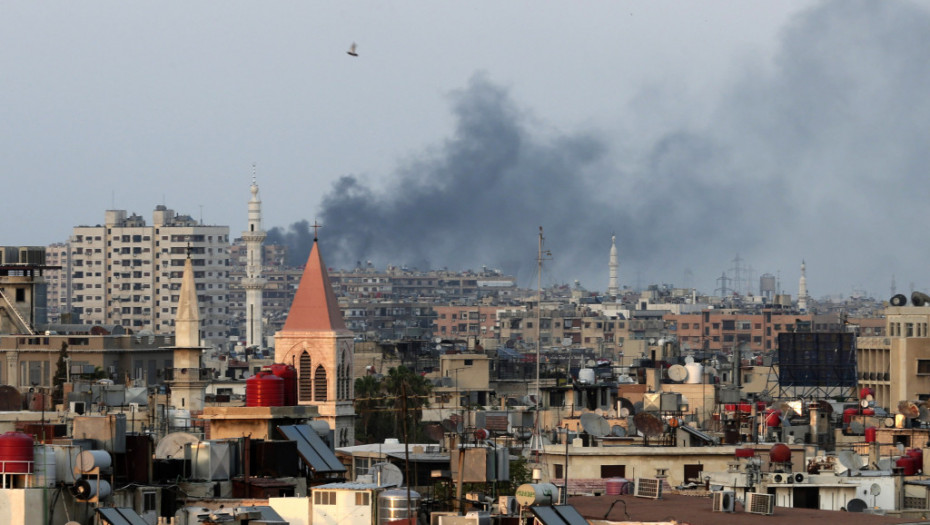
(539,260)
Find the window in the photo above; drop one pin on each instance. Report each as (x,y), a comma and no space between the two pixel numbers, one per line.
(148,502)
(362,499)
(324,497)
(557,471)
(923,367)
(613,471)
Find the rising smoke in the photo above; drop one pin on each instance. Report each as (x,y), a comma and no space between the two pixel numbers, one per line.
(816,156)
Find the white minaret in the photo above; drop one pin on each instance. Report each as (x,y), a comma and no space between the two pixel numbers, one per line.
(612,288)
(802,288)
(253,283)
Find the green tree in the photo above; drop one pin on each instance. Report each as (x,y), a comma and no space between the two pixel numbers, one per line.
(417,389)
(369,405)
(61,374)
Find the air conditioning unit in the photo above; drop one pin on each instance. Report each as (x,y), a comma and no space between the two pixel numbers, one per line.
(648,488)
(798,477)
(757,503)
(780,478)
(724,501)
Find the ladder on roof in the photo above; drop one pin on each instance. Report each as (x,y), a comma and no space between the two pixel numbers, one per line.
(22,320)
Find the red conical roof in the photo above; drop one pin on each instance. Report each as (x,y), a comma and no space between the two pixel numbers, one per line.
(315,306)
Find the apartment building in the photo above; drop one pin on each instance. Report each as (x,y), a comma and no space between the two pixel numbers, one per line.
(128,273)
(896,366)
(58,281)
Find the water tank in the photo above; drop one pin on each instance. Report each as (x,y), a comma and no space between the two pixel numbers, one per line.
(289,374)
(264,389)
(871,433)
(780,453)
(44,466)
(586,376)
(537,494)
(392,505)
(907,465)
(615,486)
(16,453)
(773,417)
(695,373)
(918,456)
(88,460)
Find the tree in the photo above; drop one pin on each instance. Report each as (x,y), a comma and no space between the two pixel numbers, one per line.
(61,374)
(417,389)
(369,405)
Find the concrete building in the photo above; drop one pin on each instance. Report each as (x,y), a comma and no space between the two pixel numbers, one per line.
(127,273)
(58,281)
(317,343)
(897,366)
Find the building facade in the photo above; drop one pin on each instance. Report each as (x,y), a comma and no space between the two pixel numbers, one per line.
(127,273)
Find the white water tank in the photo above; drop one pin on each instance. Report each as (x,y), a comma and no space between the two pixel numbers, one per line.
(695,373)
(586,376)
(44,474)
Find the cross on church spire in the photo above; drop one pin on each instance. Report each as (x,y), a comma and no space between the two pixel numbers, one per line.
(316,228)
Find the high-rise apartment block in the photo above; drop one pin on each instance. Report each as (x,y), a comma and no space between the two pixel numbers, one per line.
(128,273)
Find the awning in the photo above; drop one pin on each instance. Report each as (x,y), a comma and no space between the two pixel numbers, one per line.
(315,453)
(120,516)
(558,515)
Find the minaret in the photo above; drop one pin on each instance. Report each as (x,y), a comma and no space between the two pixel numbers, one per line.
(315,340)
(253,283)
(188,379)
(612,289)
(802,288)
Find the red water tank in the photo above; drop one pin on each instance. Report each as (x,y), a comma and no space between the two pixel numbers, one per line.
(745,408)
(614,486)
(918,456)
(16,453)
(745,452)
(870,434)
(907,464)
(773,417)
(780,453)
(264,389)
(289,374)
(866,392)
(848,414)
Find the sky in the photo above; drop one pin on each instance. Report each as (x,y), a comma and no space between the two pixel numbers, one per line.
(694,132)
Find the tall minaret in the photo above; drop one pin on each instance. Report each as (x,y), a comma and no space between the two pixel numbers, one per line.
(189,377)
(612,289)
(253,283)
(802,288)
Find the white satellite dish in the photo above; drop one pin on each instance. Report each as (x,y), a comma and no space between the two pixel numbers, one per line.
(849,459)
(172,445)
(386,475)
(689,360)
(875,489)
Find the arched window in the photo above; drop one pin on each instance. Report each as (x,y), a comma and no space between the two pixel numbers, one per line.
(305,375)
(319,384)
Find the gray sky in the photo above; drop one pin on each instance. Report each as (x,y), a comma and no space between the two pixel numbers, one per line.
(693,131)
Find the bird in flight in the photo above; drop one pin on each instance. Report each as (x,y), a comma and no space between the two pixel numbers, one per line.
(351,50)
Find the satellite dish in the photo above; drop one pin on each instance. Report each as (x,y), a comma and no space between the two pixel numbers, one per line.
(849,459)
(648,424)
(386,475)
(856,505)
(875,489)
(594,424)
(689,360)
(677,373)
(625,412)
(908,409)
(888,422)
(864,403)
(172,445)
(711,371)
(435,432)
(617,431)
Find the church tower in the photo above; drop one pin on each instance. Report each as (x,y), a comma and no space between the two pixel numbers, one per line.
(188,375)
(253,283)
(315,340)
(613,290)
(802,289)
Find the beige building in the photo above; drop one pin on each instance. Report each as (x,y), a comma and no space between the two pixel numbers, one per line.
(897,366)
(127,273)
(317,343)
